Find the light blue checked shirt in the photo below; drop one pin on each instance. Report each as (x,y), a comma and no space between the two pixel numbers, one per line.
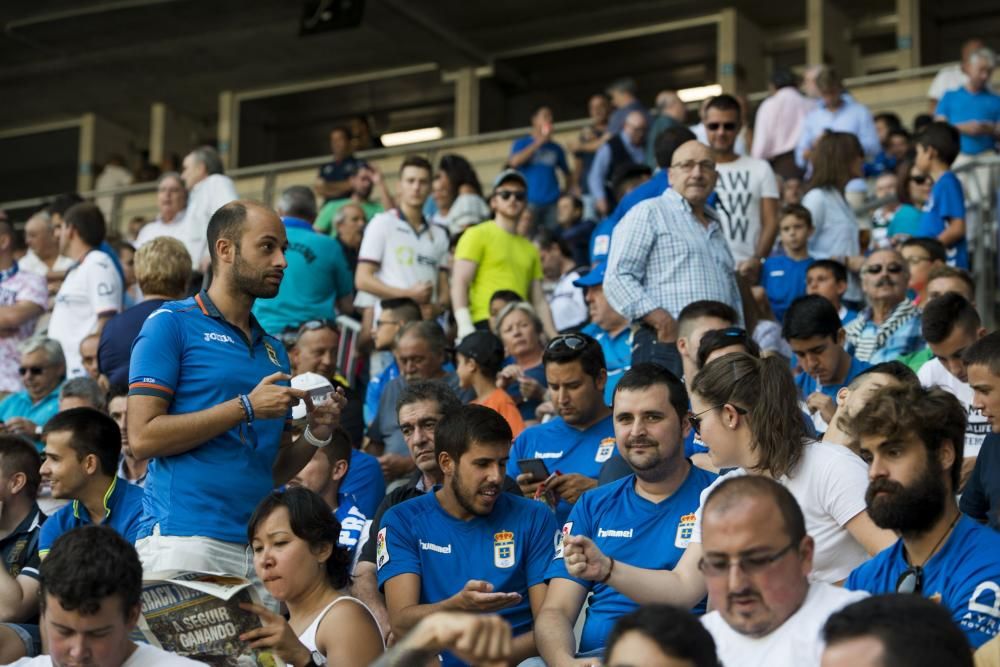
(851,116)
(663,257)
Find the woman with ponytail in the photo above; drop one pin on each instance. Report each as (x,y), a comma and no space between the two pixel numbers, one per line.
(294,539)
(746,411)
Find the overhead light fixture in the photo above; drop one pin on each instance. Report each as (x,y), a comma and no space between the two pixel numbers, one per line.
(411,136)
(698,93)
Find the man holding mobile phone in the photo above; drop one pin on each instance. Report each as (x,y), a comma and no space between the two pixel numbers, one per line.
(582,438)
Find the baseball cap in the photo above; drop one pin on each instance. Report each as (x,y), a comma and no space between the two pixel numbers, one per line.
(316,385)
(594,277)
(509,175)
(482,347)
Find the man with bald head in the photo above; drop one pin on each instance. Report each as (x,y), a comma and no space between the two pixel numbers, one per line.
(890,326)
(43,255)
(625,148)
(766,610)
(209,403)
(670,251)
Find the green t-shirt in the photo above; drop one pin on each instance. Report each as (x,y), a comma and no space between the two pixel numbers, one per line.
(917,359)
(505,261)
(324,221)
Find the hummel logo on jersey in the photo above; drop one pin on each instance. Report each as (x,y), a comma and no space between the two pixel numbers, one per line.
(614,533)
(427,546)
(222,338)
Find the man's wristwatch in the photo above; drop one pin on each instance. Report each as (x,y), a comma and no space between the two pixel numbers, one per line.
(316,659)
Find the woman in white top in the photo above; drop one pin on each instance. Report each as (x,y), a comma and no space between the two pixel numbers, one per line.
(294,539)
(746,411)
(458,195)
(837,159)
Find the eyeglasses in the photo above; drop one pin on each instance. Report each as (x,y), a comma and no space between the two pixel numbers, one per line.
(913,261)
(695,420)
(572,342)
(714,127)
(32,370)
(379,323)
(911,580)
(313,325)
(519,195)
(921,179)
(873,269)
(720,566)
(689,165)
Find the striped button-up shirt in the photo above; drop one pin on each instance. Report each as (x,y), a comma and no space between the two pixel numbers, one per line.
(663,257)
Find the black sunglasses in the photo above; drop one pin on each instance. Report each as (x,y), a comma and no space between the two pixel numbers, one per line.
(519,195)
(729,127)
(695,420)
(572,342)
(874,269)
(33,370)
(920,180)
(911,580)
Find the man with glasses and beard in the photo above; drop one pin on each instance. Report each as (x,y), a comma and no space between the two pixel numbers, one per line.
(643,519)
(209,403)
(912,440)
(467,536)
(890,326)
(574,445)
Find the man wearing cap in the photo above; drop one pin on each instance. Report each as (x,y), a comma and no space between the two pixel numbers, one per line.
(670,251)
(491,256)
(607,327)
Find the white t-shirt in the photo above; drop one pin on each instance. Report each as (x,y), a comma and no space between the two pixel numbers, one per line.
(204,200)
(741,186)
(91,288)
(404,256)
(143,656)
(829,483)
(566,302)
(32,263)
(798,642)
(947,78)
(175,229)
(977,427)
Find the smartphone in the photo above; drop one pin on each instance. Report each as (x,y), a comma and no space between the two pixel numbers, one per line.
(534,467)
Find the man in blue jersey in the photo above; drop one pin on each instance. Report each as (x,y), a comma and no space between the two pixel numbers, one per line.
(607,327)
(815,333)
(912,440)
(209,403)
(324,475)
(467,546)
(643,519)
(575,444)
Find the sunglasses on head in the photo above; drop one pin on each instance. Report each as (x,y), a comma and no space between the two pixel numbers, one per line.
(874,269)
(713,127)
(519,195)
(313,325)
(32,370)
(572,342)
(911,581)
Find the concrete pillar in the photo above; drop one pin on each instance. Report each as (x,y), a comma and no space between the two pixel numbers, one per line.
(466,102)
(740,53)
(908,33)
(228,129)
(171,132)
(157,132)
(88,135)
(827,43)
(726,54)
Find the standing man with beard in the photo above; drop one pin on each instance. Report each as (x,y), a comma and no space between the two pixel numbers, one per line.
(209,404)
(912,440)
(643,519)
(468,536)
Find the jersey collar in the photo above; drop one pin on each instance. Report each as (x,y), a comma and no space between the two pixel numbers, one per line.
(296,223)
(108,496)
(210,310)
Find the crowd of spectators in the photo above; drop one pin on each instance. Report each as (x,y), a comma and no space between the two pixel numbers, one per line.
(658,396)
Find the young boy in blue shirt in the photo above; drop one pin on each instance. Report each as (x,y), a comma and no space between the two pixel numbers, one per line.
(943,216)
(784,276)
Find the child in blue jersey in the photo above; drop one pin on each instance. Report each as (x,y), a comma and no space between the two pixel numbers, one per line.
(323,475)
(82,447)
(913,440)
(467,546)
(944,213)
(814,331)
(784,276)
(575,444)
(828,278)
(644,519)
